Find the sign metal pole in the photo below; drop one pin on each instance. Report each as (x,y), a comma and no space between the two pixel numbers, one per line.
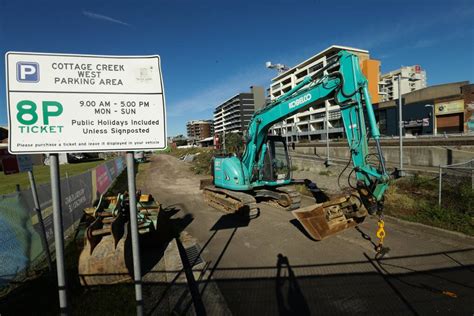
(44,239)
(58,232)
(440,183)
(137,274)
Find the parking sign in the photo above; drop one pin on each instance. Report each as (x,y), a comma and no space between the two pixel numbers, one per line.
(84,103)
(27,71)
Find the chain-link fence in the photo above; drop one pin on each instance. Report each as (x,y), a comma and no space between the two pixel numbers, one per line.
(456,186)
(21,249)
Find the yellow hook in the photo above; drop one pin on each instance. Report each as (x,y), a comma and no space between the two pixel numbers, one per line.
(381,230)
(380,249)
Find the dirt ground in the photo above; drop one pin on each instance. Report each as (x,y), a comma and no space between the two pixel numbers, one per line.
(228,265)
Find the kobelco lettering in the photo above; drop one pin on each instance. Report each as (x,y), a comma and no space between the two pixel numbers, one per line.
(300,101)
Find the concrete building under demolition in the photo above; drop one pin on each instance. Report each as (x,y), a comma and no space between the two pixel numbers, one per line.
(234,114)
(199,129)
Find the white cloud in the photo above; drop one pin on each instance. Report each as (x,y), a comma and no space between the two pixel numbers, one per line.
(102,17)
(418,33)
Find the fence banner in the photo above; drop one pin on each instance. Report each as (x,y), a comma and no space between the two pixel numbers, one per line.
(77,194)
(111,169)
(119,164)
(20,243)
(102,179)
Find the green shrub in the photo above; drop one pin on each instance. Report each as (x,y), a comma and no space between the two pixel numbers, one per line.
(325,173)
(416,199)
(202,162)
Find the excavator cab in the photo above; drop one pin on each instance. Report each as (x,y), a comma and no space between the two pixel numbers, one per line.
(276,164)
(320,220)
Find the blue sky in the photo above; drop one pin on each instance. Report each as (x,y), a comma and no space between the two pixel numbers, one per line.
(213,50)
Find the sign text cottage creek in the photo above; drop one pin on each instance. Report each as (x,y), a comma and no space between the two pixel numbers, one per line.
(67,103)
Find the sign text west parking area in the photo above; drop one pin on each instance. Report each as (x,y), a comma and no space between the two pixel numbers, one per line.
(81,103)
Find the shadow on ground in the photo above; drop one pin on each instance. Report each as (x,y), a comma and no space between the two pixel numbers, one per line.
(370,286)
(39,296)
(386,286)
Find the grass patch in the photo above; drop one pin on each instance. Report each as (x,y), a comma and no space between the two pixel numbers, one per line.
(41,173)
(416,199)
(120,185)
(202,159)
(180,152)
(325,173)
(202,163)
(303,190)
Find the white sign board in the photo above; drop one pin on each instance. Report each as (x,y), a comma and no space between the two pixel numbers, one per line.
(84,103)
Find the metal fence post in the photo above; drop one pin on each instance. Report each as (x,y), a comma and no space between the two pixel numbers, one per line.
(326,124)
(472,179)
(400,123)
(439,184)
(44,239)
(58,231)
(68,185)
(137,274)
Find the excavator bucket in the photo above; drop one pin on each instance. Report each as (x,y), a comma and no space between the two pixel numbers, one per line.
(325,219)
(106,263)
(107,256)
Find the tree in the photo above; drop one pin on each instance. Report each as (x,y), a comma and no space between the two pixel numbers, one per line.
(234,143)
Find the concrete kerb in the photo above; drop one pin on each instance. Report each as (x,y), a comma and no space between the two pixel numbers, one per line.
(428,227)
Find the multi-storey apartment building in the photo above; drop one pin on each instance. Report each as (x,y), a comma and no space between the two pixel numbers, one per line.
(412,78)
(310,124)
(199,129)
(234,114)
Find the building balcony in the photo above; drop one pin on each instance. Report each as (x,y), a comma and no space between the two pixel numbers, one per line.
(316,132)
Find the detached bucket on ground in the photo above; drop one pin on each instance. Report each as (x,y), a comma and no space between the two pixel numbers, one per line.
(325,219)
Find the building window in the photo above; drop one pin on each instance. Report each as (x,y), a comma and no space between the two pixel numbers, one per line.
(316,67)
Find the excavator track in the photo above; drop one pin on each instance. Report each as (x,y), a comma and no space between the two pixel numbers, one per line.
(231,201)
(284,197)
(293,195)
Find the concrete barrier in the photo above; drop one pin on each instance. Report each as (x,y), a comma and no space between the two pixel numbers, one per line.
(413,156)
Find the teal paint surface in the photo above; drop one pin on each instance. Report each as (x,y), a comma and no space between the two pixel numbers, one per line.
(348,86)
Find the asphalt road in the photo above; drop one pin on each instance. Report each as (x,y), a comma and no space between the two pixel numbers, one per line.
(268,266)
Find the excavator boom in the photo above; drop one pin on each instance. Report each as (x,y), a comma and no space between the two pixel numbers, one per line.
(341,80)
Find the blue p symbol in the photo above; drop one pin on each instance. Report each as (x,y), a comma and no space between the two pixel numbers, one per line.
(27,72)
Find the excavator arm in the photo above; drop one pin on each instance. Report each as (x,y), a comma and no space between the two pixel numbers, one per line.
(239,184)
(342,80)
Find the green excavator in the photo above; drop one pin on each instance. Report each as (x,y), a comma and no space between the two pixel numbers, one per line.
(263,172)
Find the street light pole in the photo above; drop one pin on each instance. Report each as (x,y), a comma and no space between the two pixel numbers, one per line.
(400,124)
(433,117)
